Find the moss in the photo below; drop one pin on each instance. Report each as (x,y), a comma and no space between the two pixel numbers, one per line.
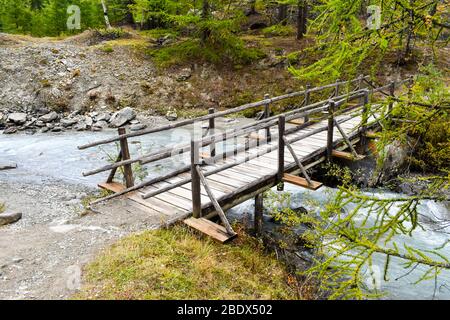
(177,263)
(2,207)
(278,30)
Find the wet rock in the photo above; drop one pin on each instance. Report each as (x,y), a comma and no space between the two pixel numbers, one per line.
(137,127)
(171,115)
(8,165)
(395,157)
(9,217)
(101,124)
(81,126)
(122,117)
(68,122)
(49,117)
(57,129)
(40,123)
(17,117)
(103,117)
(88,121)
(10,130)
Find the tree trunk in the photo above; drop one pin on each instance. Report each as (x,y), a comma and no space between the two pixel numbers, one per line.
(282,14)
(105,13)
(302,16)
(205,16)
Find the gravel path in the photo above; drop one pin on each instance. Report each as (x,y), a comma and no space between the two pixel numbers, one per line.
(42,255)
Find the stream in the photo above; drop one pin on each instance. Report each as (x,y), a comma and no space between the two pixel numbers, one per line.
(42,158)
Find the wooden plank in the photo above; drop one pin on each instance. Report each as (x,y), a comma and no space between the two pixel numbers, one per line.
(297,121)
(301,182)
(215,231)
(346,155)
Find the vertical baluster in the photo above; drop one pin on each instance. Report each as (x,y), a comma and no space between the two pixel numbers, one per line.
(196,200)
(212,127)
(125,152)
(281,129)
(364,120)
(307,100)
(267,115)
(331,107)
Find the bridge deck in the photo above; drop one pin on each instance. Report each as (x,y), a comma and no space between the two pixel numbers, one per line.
(178,201)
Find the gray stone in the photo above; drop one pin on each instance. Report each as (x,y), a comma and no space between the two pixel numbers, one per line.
(102,124)
(8,165)
(122,117)
(10,130)
(49,117)
(81,126)
(68,122)
(103,117)
(171,115)
(57,129)
(137,127)
(9,217)
(88,120)
(17,117)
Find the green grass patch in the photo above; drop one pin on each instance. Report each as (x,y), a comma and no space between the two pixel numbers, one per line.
(177,263)
(278,30)
(192,49)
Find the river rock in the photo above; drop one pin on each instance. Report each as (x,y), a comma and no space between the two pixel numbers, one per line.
(395,157)
(88,121)
(103,117)
(17,117)
(102,124)
(81,126)
(8,165)
(122,117)
(68,122)
(49,117)
(10,130)
(138,127)
(184,74)
(171,115)
(9,217)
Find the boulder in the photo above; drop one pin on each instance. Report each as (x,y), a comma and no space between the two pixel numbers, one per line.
(395,157)
(17,117)
(10,130)
(9,217)
(49,117)
(184,74)
(81,126)
(122,117)
(101,124)
(68,122)
(138,127)
(171,115)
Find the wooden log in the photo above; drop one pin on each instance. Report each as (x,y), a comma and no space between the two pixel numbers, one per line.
(301,182)
(216,205)
(297,161)
(347,155)
(196,190)
(128,171)
(281,127)
(114,170)
(346,139)
(215,231)
(364,119)
(206,117)
(259,209)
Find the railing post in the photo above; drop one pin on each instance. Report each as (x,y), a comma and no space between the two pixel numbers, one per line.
(267,115)
(336,90)
(331,106)
(364,119)
(196,190)
(360,81)
(212,127)
(281,129)
(259,209)
(125,153)
(307,100)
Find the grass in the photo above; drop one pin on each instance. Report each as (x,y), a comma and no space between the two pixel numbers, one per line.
(177,263)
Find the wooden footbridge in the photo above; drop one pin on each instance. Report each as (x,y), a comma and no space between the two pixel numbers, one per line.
(270,151)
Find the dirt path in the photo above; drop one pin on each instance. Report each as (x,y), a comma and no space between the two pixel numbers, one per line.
(41,256)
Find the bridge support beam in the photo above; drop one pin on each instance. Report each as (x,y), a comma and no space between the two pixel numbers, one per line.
(125,155)
(331,106)
(259,208)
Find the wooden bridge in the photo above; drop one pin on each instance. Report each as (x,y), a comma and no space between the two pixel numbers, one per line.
(272,150)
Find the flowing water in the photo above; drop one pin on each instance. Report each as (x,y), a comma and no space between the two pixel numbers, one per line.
(43,157)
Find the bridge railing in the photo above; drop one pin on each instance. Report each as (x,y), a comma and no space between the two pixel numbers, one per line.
(305,111)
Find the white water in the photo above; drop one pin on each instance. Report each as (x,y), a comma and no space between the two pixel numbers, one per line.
(55,156)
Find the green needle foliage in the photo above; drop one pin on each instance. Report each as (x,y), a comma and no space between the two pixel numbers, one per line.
(344,42)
